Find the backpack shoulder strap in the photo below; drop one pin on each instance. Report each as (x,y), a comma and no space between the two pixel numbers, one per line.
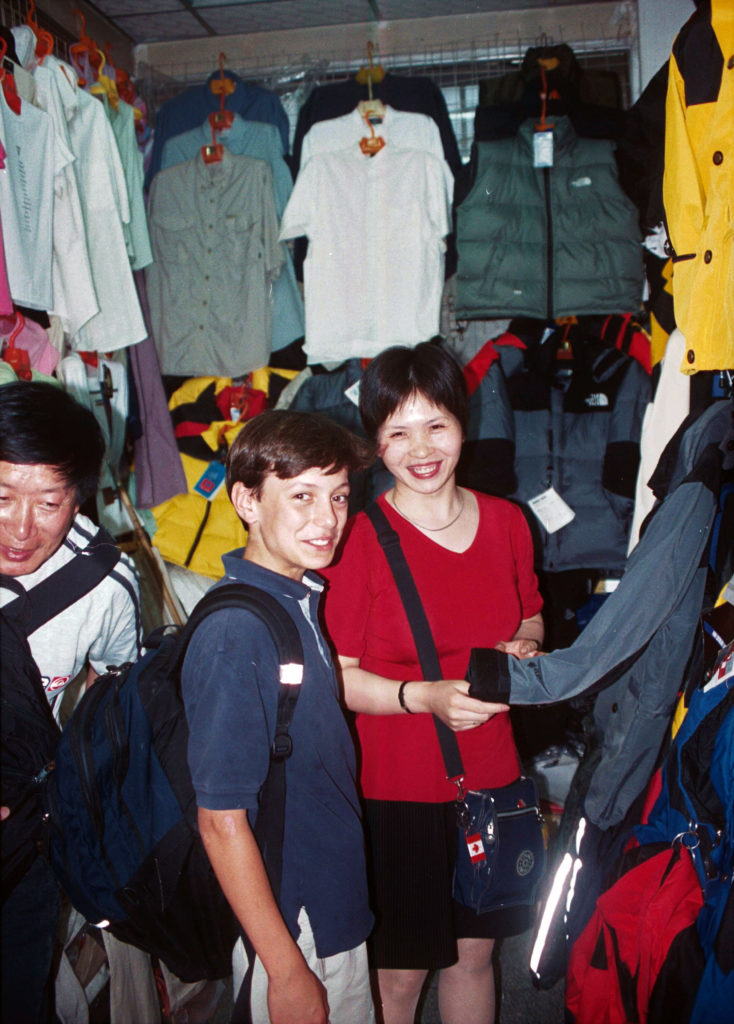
(270,825)
(47,599)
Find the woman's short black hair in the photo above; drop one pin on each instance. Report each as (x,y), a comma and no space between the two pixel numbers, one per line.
(41,424)
(400,372)
(287,442)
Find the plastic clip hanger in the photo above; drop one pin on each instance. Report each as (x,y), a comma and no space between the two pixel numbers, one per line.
(550,64)
(565,349)
(17,358)
(371,107)
(8,82)
(371,144)
(221,119)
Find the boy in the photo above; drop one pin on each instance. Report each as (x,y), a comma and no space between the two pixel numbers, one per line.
(287,477)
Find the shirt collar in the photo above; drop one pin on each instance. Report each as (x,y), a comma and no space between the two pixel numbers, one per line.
(564,135)
(211,175)
(238,568)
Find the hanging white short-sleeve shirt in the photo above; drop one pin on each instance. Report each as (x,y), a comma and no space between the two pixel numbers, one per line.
(27,202)
(216,252)
(103,193)
(401,129)
(376,226)
(122,120)
(75,300)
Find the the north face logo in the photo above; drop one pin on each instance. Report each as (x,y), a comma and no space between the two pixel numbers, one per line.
(597,401)
(525,863)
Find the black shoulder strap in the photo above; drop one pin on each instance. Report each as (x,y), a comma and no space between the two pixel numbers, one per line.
(420,627)
(270,825)
(47,599)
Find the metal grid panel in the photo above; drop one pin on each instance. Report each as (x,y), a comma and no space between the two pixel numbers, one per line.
(457,71)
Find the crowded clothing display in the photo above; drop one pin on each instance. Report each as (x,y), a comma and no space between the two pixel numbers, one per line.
(180,266)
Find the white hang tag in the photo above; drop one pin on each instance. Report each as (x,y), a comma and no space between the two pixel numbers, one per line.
(543,149)
(352,392)
(551,510)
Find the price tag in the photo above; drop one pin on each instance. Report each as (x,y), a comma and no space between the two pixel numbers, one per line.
(551,510)
(543,149)
(210,480)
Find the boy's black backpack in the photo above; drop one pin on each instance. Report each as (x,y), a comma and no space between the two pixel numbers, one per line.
(124,840)
(29,732)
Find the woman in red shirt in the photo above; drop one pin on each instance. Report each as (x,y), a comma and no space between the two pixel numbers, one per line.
(471,556)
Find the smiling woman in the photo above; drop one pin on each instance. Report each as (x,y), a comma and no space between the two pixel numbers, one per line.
(471,557)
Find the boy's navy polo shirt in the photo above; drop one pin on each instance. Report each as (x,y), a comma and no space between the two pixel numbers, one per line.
(230,685)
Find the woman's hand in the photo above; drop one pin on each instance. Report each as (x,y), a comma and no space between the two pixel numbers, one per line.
(523,648)
(449,700)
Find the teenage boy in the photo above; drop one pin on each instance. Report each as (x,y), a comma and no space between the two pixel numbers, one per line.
(287,477)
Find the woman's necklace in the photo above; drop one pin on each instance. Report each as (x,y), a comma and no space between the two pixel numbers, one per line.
(431,529)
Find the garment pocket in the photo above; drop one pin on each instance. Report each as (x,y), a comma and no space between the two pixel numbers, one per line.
(239,237)
(174,238)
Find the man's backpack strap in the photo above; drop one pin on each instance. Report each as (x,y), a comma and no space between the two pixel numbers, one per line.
(67,585)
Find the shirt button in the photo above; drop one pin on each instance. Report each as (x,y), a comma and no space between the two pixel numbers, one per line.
(691,355)
(718,157)
(730,62)
(708,256)
(206,277)
(209,250)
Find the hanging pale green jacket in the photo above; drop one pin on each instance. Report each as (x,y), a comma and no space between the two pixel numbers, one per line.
(547,241)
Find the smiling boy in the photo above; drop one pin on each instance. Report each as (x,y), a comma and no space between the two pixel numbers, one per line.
(287,477)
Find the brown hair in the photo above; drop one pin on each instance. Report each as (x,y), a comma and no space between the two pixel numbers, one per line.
(286,442)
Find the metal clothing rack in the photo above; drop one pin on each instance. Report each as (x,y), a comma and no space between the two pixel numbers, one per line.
(456,69)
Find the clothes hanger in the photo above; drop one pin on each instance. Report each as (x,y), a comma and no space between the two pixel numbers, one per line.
(17,358)
(104,84)
(371,107)
(84,48)
(44,39)
(8,82)
(220,119)
(565,348)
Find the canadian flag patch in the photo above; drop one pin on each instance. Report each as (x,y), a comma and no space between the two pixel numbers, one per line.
(476,848)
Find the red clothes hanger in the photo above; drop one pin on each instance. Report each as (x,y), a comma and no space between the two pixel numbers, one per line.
(220,119)
(8,82)
(17,358)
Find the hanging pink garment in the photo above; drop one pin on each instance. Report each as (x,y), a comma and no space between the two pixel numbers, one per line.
(6,303)
(28,335)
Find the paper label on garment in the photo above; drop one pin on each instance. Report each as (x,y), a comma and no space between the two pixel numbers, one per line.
(551,510)
(352,392)
(543,149)
(210,480)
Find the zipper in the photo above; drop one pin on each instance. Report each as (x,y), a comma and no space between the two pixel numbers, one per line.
(117,737)
(549,243)
(197,538)
(79,739)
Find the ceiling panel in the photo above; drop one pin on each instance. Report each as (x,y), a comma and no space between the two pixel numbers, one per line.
(147,21)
